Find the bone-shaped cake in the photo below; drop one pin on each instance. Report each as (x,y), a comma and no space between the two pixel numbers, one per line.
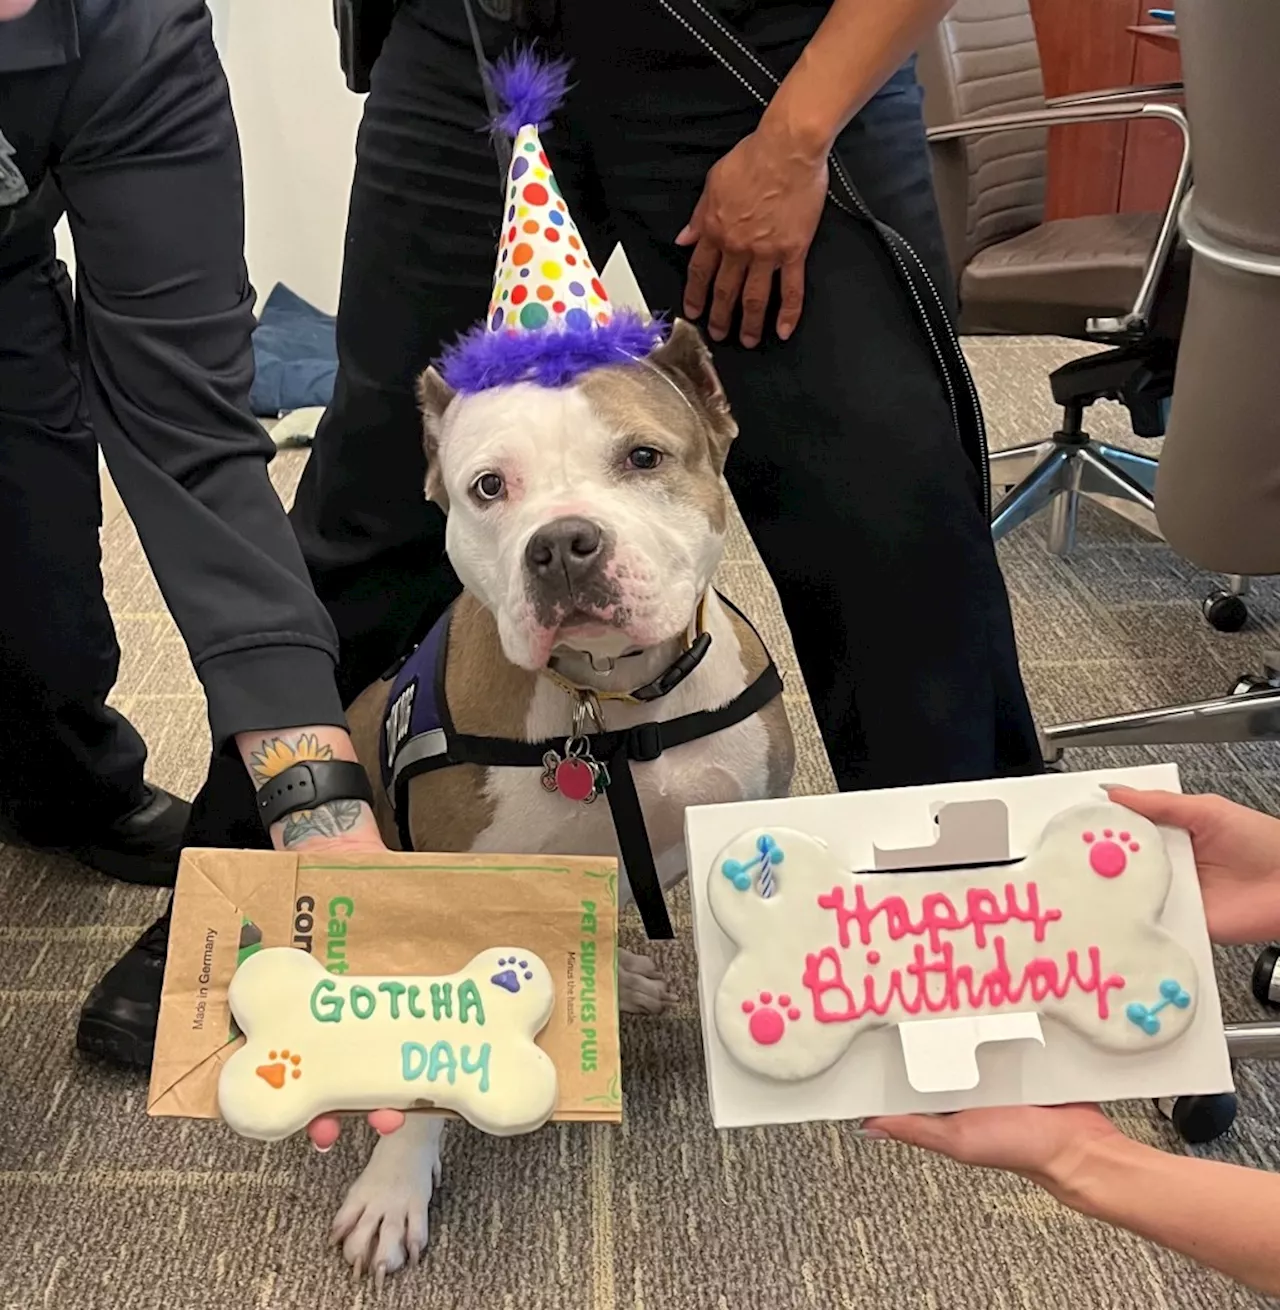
(1071,933)
(316,1043)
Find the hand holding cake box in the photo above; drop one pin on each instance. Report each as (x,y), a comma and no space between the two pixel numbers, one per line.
(843,982)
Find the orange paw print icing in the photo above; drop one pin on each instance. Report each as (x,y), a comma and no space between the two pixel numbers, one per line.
(274,1074)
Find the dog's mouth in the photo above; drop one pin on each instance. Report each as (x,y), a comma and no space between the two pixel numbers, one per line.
(586,623)
(589,633)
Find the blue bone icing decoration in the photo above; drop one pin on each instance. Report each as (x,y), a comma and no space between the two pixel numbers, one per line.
(768,856)
(1171,993)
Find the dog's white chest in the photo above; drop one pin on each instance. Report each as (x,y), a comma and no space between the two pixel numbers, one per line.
(727,766)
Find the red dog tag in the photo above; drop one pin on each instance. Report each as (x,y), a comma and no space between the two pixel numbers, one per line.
(576,780)
(575,775)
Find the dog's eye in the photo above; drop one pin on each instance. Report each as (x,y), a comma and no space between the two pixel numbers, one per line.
(488,486)
(644,458)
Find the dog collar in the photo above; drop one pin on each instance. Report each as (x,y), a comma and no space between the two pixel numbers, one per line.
(696,644)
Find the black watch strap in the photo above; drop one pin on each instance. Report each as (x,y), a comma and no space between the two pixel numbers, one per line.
(310,784)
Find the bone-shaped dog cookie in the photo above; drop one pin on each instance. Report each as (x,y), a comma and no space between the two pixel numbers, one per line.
(1072,933)
(316,1043)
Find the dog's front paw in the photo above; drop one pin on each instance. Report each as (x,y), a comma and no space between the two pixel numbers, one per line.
(382,1224)
(641,988)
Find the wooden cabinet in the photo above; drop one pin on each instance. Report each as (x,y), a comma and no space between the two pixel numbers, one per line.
(1088,45)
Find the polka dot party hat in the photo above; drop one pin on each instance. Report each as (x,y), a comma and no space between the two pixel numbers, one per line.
(549,318)
(544,274)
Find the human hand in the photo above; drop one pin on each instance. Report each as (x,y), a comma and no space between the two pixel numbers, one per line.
(1045,1144)
(756,218)
(1237,853)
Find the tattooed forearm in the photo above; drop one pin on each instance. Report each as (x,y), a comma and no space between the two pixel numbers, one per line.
(330,820)
(269,754)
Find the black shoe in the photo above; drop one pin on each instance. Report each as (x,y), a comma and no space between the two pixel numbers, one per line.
(118,1021)
(143,847)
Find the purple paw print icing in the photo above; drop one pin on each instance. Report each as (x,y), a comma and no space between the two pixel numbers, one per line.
(507,978)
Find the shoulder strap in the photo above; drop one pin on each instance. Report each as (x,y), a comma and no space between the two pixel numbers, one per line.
(737,57)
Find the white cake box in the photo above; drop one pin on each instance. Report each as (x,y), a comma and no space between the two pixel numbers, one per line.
(943,947)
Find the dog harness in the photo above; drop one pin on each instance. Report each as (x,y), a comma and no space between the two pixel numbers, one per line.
(418,736)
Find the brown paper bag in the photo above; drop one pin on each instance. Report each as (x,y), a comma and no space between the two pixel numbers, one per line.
(386,914)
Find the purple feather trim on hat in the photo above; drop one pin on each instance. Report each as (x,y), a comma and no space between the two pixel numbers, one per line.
(529,88)
(550,357)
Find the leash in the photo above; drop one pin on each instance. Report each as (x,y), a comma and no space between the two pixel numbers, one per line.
(501,146)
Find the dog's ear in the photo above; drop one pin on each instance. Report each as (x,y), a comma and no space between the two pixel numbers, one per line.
(686,357)
(434,397)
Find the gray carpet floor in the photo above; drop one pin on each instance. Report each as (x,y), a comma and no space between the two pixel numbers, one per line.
(102,1207)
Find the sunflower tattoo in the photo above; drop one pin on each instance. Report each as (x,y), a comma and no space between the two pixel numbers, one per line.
(277,754)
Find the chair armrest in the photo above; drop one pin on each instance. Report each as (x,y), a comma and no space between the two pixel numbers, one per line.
(1151,91)
(1134,323)
(1059,116)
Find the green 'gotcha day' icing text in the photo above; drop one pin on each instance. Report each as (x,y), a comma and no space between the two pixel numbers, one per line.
(333,1002)
(439,1061)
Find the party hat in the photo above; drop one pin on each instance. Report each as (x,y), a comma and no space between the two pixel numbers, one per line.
(549,318)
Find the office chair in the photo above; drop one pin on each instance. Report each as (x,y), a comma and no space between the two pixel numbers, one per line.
(1218,491)
(1115,279)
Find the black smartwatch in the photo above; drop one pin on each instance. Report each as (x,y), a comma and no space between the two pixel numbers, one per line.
(310,784)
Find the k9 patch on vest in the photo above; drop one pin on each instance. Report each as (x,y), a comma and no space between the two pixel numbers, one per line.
(399,720)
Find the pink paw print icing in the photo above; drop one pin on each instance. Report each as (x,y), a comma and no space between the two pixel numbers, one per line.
(1107,856)
(767,1024)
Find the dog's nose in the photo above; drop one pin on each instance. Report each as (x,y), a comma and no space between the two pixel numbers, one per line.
(568,546)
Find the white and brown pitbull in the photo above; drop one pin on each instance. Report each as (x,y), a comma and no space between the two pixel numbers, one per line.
(586,523)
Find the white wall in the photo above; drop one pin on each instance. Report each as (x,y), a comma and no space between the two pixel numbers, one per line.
(297,124)
(297,132)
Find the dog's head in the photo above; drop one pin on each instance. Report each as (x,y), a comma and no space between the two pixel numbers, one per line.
(590,516)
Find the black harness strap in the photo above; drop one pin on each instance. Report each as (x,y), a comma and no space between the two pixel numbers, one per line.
(619,749)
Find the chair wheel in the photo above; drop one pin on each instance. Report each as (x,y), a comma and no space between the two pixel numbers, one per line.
(1225,611)
(1266,977)
(1248,682)
(1200,1119)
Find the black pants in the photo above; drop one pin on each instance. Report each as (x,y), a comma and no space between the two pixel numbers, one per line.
(848,469)
(69,765)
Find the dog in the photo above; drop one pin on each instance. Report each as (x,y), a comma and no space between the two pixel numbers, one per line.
(586,524)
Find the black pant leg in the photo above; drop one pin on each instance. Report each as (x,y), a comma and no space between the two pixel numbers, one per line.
(70,765)
(848,469)
(421,234)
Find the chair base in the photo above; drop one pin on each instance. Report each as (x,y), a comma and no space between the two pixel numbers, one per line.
(1059,473)
(1054,474)
(1250,713)
(1253,1041)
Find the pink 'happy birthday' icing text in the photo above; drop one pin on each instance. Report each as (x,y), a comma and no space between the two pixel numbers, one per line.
(938,914)
(958,989)
(933,982)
